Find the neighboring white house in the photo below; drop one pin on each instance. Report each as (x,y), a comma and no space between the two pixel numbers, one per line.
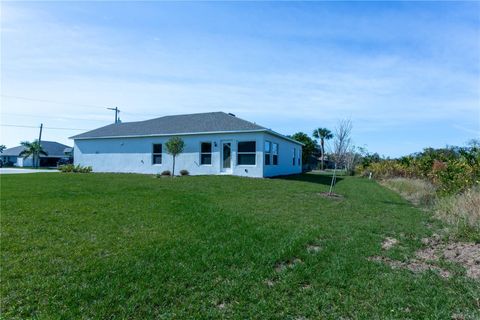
(55,151)
(215,143)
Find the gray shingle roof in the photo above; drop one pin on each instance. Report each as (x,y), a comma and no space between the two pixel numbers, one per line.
(178,124)
(53,149)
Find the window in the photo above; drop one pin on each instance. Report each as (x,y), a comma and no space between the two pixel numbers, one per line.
(157,153)
(246,153)
(275,154)
(294,156)
(299,157)
(268,152)
(206,153)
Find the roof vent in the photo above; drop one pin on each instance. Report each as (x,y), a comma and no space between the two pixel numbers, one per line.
(232,114)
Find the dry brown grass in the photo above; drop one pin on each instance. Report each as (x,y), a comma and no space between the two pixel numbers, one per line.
(461,209)
(417,191)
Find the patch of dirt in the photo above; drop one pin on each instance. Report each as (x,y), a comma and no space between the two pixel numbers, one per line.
(466,254)
(435,239)
(313,248)
(331,195)
(289,264)
(427,254)
(269,283)
(388,243)
(416,266)
(306,286)
(458,316)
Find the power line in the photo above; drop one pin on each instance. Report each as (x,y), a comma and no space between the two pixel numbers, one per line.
(55,102)
(50,128)
(49,117)
(74,104)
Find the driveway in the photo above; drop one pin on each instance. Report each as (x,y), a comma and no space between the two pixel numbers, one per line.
(19,171)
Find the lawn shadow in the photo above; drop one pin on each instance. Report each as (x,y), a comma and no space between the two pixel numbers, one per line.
(311,177)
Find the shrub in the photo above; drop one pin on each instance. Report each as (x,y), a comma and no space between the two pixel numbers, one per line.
(389,169)
(184,172)
(452,170)
(75,169)
(166,173)
(66,168)
(81,169)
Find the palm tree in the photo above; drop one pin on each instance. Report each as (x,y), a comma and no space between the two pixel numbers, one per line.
(322,134)
(33,149)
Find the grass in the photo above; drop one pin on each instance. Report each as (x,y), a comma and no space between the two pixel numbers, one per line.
(121,246)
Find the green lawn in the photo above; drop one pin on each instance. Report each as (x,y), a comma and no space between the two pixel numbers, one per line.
(117,246)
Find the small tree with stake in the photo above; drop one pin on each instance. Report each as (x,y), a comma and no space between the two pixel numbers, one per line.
(175,146)
(342,145)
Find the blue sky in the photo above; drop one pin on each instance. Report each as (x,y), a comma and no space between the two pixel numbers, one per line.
(406,73)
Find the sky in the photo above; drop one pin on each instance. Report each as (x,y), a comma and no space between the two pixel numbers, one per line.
(407,74)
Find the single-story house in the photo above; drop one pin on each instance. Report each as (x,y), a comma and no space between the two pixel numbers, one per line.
(55,151)
(215,143)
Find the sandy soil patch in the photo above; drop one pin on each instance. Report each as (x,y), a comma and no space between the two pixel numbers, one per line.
(313,248)
(331,195)
(465,254)
(388,243)
(289,264)
(414,265)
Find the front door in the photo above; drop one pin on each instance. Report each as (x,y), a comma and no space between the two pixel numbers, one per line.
(226,157)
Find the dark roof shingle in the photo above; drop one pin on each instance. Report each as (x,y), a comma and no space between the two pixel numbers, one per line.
(53,149)
(177,124)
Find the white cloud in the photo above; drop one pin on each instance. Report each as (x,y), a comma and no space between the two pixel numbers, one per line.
(289,86)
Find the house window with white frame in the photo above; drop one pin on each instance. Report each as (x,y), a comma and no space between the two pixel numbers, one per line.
(268,152)
(246,153)
(275,154)
(206,153)
(157,153)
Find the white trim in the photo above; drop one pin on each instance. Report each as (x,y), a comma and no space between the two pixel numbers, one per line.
(189,134)
(167,134)
(232,164)
(254,153)
(269,153)
(156,154)
(200,153)
(276,154)
(283,137)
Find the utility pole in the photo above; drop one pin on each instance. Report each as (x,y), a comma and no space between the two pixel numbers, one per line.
(36,159)
(117,111)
